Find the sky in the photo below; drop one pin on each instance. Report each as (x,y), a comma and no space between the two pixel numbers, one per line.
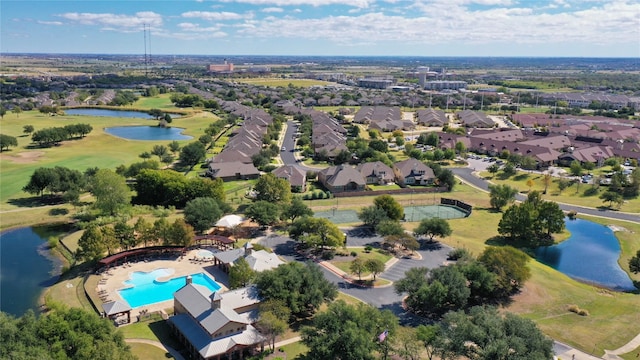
(500,28)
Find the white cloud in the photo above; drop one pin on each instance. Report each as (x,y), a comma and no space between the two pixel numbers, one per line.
(116,22)
(214,16)
(316,3)
(56,23)
(272,10)
(440,24)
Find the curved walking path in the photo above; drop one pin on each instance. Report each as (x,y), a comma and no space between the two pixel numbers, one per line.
(176,355)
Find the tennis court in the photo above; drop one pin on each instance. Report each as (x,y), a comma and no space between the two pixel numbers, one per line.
(411,213)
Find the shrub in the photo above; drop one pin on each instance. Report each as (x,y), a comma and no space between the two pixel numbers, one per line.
(53,242)
(459,254)
(354,254)
(368,248)
(575,309)
(572,214)
(591,191)
(328,255)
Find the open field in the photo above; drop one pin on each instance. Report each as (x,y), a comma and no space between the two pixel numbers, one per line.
(96,149)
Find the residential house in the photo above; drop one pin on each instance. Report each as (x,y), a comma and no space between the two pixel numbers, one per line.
(470,118)
(260,260)
(215,325)
(376,173)
(413,172)
(431,117)
(294,175)
(341,178)
(235,170)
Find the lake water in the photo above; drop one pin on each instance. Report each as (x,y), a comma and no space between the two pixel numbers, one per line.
(589,255)
(109,113)
(147,133)
(26,269)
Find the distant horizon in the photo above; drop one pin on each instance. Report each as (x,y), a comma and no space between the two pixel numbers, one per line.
(334,56)
(411,28)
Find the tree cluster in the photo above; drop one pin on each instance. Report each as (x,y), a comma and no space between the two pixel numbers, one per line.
(56,180)
(382,215)
(98,240)
(61,334)
(316,232)
(51,136)
(301,287)
(124,97)
(532,222)
(496,274)
(348,332)
(170,188)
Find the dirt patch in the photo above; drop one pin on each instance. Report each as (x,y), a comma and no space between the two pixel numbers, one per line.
(27,157)
(530,294)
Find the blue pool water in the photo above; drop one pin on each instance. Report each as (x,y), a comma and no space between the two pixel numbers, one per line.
(589,255)
(147,133)
(146,289)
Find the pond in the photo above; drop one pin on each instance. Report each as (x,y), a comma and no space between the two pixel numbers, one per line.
(590,255)
(111,113)
(156,133)
(26,269)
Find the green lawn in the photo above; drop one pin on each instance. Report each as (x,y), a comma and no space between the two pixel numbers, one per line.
(343,263)
(148,352)
(161,102)
(575,194)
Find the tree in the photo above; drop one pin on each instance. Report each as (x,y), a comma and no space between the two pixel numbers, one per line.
(389,227)
(493,168)
(433,227)
(272,326)
(372,215)
(501,195)
(428,336)
(264,213)
(634,263)
(461,149)
(296,209)
(483,333)
(91,246)
(347,332)
(161,228)
(358,266)
(550,219)
(192,153)
(445,289)
(272,189)
(546,180)
(156,113)
(61,333)
(167,118)
(446,178)
(510,266)
(391,207)
(17,110)
(111,191)
(3,112)
(202,213)
(144,230)
(6,141)
(317,232)
(375,266)
(530,184)
(302,287)
(179,233)
(575,168)
(612,197)
(174,146)
(124,234)
(240,274)
(509,170)
(27,129)
(159,151)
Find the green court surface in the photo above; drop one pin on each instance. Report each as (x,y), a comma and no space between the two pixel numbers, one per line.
(411,213)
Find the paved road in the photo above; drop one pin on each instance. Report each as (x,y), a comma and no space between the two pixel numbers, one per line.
(383,297)
(466,174)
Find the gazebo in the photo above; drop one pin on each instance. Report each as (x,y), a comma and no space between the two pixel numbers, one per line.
(230,221)
(113,309)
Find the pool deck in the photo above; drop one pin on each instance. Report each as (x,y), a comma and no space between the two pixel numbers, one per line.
(113,279)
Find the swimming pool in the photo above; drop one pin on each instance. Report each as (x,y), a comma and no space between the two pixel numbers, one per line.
(146,289)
